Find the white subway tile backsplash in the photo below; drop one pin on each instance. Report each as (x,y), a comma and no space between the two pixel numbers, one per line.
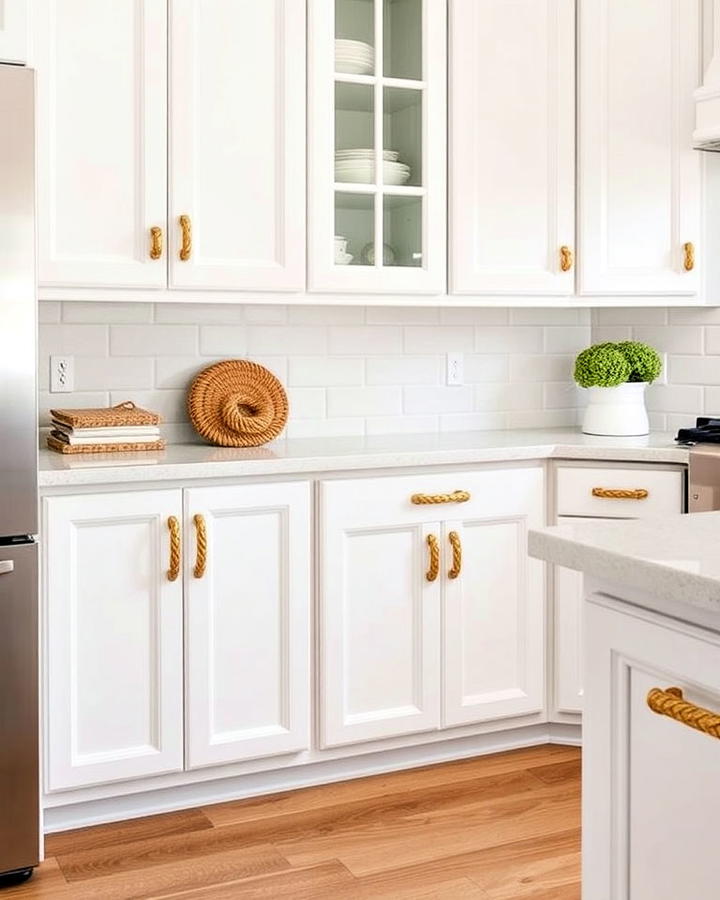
(325,371)
(542,367)
(223,340)
(401,424)
(199,314)
(514,339)
(326,315)
(487,421)
(113,373)
(170,404)
(176,372)
(314,428)
(677,339)
(286,339)
(468,315)
(365,339)
(364,401)
(533,316)
(673,397)
(438,339)
(565,339)
(49,311)
(482,368)
(403,369)
(266,315)
(423,399)
(508,396)
(110,313)
(158,340)
(73,340)
(634,316)
(307,402)
(694,370)
(400,315)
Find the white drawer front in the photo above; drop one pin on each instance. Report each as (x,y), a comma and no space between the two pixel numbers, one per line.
(598,492)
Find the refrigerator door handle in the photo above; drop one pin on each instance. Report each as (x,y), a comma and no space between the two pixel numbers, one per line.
(6,566)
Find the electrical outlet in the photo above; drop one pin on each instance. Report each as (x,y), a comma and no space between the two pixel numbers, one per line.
(454,371)
(62,374)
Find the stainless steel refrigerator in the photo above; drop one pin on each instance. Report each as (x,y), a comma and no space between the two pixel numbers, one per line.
(19,791)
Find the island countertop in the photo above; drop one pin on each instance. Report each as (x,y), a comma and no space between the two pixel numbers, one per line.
(316,455)
(672,560)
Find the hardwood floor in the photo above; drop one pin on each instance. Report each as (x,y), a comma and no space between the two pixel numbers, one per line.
(502,827)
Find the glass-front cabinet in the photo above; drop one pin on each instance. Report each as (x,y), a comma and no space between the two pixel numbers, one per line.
(377,110)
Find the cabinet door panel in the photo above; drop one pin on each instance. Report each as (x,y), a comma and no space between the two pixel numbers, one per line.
(13,31)
(379,627)
(512,145)
(657,837)
(639,176)
(494,609)
(248,677)
(113,626)
(102,147)
(237,93)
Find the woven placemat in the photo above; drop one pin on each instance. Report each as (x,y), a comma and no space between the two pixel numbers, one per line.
(237,403)
(62,447)
(123,414)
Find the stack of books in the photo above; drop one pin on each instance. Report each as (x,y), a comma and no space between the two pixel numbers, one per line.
(117,429)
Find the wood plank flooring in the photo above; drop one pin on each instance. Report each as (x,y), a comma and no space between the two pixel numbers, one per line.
(501,827)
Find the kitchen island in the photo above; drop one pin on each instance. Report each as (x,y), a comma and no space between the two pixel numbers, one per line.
(651,757)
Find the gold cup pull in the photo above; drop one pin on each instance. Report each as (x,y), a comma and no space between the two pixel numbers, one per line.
(174,529)
(454,539)
(186,228)
(566,258)
(670,702)
(455,497)
(201,543)
(156,242)
(620,493)
(689,258)
(434,558)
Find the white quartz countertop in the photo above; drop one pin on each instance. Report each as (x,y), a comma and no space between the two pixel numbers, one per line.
(317,455)
(674,560)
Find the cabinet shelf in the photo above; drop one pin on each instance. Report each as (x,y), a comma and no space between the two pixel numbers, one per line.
(389,190)
(409,84)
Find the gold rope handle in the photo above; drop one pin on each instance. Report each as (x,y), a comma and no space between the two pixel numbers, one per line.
(174,529)
(186,248)
(566,258)
(201,540)
(434,565)
(670,702)
(455,497)
(156,242)
(689,260)
(620,493)
(454,539)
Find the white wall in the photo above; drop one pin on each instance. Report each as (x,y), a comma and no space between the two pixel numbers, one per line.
(690,339)
(348,370)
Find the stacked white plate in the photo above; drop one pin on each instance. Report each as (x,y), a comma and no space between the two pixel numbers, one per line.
(354,57)
(358,166)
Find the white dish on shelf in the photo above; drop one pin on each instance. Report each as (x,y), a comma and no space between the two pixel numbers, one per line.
(365,154)
(349,46)
(364,173)
(352,67)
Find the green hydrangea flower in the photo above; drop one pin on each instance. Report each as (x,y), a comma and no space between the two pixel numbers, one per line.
(644,361)
(601,365)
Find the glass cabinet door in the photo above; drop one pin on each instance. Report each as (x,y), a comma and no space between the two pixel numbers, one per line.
(377,146)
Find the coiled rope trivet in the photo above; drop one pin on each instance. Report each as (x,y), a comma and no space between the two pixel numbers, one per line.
(237,403)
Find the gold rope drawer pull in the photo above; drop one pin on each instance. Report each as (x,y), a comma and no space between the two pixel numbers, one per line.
(689,256)
(670,703)
(566,258)
(174,529)
(434,564)
(201,538)
(186,228)
(156,242)
(455,497)
(620,493)
(454,539)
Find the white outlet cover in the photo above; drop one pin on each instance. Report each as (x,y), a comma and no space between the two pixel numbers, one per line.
(62,374)
(455,369)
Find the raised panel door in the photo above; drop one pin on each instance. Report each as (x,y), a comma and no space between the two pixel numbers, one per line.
(248,622)
(113,634)
(639,177)
(102,141)
(13,31)
(494,633)
(237,144)
(512,146)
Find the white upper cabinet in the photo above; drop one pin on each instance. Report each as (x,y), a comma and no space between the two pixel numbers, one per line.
(247,621)
(13,31)
(113,628)
(512,146)
(237,144)
(102,149)
(639,224)
(377,136)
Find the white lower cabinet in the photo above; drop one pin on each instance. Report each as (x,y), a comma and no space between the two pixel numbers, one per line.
(247,622)
(431,614)
(650,783)
(119,675)
(113,638)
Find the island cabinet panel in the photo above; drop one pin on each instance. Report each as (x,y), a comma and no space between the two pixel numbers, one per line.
(639,176)
(237,144)
(247,621)
(512,146)
(13,31)
(494,619)
(402,613)
(113,638)
(102,141)
(650,783)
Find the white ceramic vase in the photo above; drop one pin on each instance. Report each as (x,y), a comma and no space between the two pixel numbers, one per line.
(618,410)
